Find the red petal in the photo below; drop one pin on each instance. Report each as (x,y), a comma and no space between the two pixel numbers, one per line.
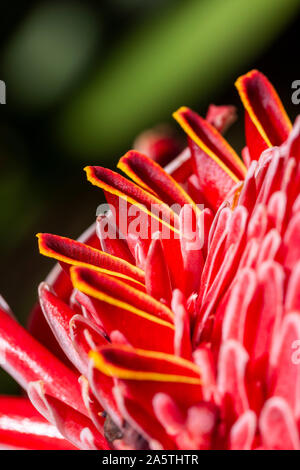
(292,146)
(291,242)
(102,387)
(75,427)
(249,257)
(246,156)
(147,372)
(277,210)
(123,308)
(191,242)
(292,297)
(225,268)
(181,167)
(271,280)
(194,190)
(120,291)
(174,261)
(201,424)
(258,223)
(248,193)
(203,358)
(182,338)
(60,282)
(119,187)
(243,432)
(58,315)
(114,244)
(85,336)
(38,327)
(78,254)
(89,237)
(211,142)
(267,123)
(148,174)
(278,427)
(146,425)
(168,414)
(215,250)
(231,379)
(26,360)
(95,410)
(214,181)
(89,311)
(238,304)
(160,143)
(273,177)
(158,283)
(221,117)
(269,247)
(205,221)
(22,427)
(285,362)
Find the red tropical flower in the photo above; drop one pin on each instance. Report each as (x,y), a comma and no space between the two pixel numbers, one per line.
(184,341)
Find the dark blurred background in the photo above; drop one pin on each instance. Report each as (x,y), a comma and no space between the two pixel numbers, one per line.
(84,78)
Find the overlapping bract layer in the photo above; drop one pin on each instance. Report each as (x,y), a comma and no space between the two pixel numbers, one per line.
(168,346)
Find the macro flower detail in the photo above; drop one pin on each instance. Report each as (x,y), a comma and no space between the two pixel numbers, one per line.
(174,321)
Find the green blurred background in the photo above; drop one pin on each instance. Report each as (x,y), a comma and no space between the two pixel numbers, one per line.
(84,78)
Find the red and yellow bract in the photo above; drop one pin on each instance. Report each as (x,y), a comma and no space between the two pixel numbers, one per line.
(140,342)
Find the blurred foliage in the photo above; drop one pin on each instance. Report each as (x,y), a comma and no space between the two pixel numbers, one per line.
(84,77)
(49,51)
(188,50)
